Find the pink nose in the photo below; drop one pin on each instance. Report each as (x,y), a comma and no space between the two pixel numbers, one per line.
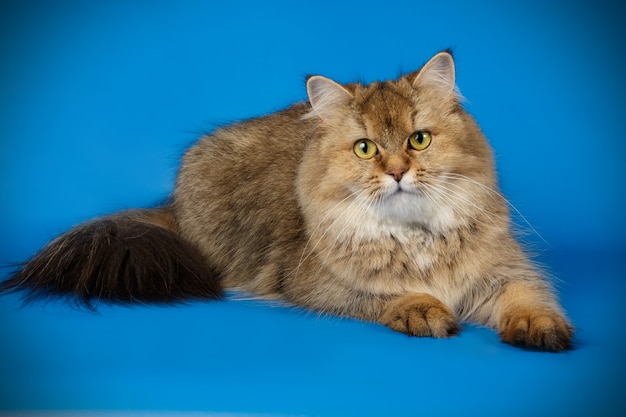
(396,173)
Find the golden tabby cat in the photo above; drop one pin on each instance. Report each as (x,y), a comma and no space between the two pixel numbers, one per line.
(377,202)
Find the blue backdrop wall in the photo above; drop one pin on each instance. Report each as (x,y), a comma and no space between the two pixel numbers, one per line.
(99,99)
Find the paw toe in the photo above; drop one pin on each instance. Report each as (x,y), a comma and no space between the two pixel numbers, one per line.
(541,330)
(420,315)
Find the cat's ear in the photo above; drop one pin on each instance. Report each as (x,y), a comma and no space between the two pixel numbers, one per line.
(437,74)
(326,96)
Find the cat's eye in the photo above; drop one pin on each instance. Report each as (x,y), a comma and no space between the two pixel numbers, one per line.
(420,140)
(365,149)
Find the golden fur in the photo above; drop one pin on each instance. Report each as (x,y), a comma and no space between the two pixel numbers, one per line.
(284,209)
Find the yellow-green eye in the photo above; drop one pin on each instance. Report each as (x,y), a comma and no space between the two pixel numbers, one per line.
(365,149)
(420,140)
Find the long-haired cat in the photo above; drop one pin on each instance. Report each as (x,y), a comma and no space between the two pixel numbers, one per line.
(378,202)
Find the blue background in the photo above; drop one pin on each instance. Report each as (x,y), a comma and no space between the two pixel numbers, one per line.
(98,101)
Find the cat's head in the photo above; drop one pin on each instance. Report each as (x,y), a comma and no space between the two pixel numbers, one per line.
(401,151)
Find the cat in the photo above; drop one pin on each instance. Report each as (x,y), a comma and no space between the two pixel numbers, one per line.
(377,202)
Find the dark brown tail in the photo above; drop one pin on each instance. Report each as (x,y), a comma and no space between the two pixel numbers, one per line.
(133,256)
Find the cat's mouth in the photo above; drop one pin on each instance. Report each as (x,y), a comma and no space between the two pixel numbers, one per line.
(403,188)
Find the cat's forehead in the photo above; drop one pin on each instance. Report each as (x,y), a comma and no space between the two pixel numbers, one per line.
(382,93)
(386,108)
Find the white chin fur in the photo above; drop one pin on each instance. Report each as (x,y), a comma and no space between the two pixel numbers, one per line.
(413,207)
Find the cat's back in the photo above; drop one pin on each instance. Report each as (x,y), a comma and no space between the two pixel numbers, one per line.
(251,143)
(235,194)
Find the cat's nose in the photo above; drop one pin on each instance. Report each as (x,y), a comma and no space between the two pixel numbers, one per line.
(396,173)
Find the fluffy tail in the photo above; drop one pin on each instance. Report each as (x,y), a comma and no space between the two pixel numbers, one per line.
(133,256)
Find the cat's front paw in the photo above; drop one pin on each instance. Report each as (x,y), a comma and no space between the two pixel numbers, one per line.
(419,315)
(539,329)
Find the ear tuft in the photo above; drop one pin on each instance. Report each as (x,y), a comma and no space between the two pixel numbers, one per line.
(325,95)
(438,74)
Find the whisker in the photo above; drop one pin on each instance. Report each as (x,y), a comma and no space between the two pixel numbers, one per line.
(323,220)
(361,209)
(457,176)
(330,212)
(464,199)
(448,197)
